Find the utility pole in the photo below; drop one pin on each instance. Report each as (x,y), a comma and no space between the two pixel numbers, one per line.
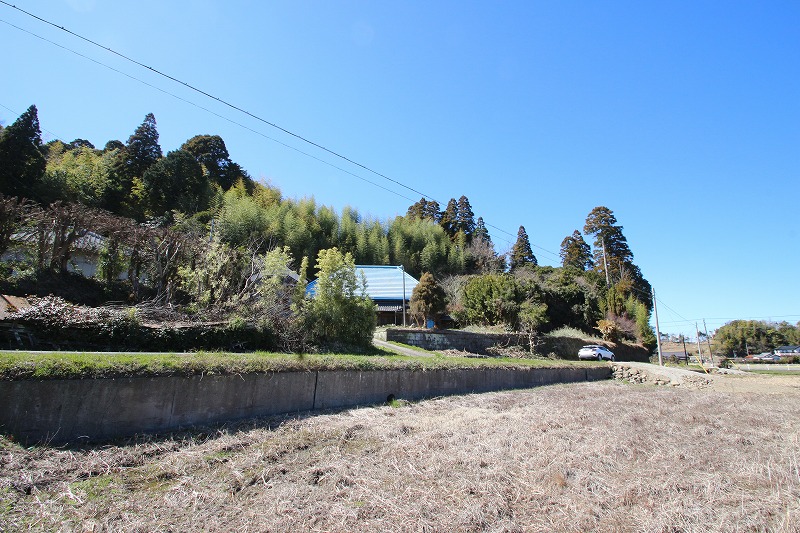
(658,331)
(605,261)
(403,274)
(699,352)
(683,339)
(708,341)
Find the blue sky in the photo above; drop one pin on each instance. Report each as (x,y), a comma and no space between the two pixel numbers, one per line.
(681,117)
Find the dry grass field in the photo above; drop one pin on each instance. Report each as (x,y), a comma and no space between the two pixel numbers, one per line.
(604,456)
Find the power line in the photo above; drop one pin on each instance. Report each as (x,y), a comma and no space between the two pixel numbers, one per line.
(17,113)
(216,98)
(200,107)
(237,108)
(728,319)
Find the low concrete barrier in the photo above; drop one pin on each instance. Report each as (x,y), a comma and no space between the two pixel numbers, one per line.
(68,411)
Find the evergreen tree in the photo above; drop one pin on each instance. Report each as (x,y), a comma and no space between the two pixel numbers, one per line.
(114,145)
(602,224)
(142,149)
(465,218)
(449,218)
(22,164)
(521,253)
(175,182)
(432,211)
(575,252)
(211,152)
(425,210)
(427,299)
(80,143)
(481,234)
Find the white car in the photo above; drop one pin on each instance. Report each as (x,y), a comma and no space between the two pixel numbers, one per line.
(595,351)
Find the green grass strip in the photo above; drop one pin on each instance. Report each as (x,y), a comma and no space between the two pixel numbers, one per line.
(64,365)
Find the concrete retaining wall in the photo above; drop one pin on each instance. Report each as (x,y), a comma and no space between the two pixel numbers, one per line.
(448,339)
(68,411)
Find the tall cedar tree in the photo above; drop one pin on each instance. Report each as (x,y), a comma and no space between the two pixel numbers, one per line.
(142,150)
(427,299)
(22,163)
(481,234)
(425,210)
(575,252)
(449,218)
(602,224)
(521,253)
(465,218)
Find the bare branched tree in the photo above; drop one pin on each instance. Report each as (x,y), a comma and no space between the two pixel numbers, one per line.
(14,213)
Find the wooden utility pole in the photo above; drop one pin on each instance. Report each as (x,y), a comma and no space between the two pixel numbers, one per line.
(699,352)
(658,331)
(708,341)
(605,261)
(683,339)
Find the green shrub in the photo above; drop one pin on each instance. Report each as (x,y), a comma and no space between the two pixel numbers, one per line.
(340,311)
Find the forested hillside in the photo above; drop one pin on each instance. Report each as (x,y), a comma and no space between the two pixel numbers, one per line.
(192,227)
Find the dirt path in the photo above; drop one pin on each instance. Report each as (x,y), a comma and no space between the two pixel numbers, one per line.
(717,380)
(400,349)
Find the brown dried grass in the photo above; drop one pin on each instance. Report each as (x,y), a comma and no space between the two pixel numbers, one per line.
(584,457)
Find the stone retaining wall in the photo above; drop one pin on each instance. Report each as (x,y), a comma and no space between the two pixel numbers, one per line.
(70,411)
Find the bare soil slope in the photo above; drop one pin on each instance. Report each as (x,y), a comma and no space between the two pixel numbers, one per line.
(586,457)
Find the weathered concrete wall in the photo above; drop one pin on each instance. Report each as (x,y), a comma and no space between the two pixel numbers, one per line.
(61,411)
(447,339)
(478,343)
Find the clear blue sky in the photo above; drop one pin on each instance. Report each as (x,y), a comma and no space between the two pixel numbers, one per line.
(682,117)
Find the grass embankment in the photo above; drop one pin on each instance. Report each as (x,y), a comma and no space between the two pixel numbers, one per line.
(58,365)
(565,342)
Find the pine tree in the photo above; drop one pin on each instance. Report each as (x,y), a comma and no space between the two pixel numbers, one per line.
(575,252)
(22,164)
(521,253)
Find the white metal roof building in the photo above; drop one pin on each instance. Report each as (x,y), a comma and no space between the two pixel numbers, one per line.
(385,286)
(384,282)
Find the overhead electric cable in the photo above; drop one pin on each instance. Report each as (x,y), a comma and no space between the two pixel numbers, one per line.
(17,113)
(204,109)
(237,108)
(218,99)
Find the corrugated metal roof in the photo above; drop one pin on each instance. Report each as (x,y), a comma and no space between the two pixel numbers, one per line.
(383,282)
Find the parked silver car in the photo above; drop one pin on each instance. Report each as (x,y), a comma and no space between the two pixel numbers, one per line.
(595,351)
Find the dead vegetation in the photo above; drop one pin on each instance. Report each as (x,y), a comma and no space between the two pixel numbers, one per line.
(584,457)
